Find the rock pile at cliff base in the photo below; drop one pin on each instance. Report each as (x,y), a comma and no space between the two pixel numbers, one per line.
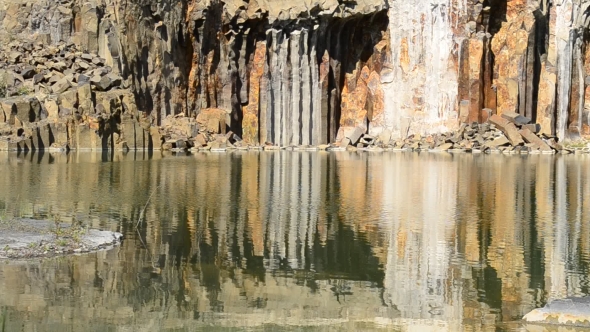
(508,133)
(58,97)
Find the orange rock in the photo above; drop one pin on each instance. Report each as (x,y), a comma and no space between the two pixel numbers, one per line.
(404,57)
(250,111)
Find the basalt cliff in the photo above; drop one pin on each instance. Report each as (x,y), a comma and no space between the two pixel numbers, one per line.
(136,74)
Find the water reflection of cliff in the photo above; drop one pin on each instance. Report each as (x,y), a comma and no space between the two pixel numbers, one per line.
(441,241)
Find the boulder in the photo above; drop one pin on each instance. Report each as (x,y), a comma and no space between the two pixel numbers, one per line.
(83,79)
(61,133)
(508,128)
(7,78)
(200,140)
(115,79)
(98,61)
(105,82)
(68,99)
(59,66)
(14,56)
(61,86)
(533,127)
(356,134)
(537,143)
(384,137)
(212,120)
(52,108)
(516,118)
(500,141)
(28,72)
(343,132)
(444,147)
(85,105)
(38,78)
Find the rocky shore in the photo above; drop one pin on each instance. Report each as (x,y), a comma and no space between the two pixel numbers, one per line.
(28,238)
(509,133)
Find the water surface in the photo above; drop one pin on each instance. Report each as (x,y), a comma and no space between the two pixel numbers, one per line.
(311,241)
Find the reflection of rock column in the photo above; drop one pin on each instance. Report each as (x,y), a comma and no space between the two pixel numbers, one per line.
(585,219)
(250,199)
(417,278)
(575,198)
(316,183)
(556,266)
(294,208)
(292,205)
(275,206)
(506,250)
(566,229)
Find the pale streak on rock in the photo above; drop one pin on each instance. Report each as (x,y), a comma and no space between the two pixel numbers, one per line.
(295,91)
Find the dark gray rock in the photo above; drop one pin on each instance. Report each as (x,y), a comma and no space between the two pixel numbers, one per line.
(83,79)
(38,78)
(28,72)
(516,118)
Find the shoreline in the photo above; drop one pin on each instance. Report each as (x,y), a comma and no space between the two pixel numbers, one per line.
(326,148)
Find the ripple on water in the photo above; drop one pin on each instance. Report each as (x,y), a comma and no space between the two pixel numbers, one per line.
(326,241)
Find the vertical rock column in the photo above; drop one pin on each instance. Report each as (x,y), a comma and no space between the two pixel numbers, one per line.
(562,56)
(318,126)
(585,116)
(510,48)
(291,108)
(89,32)
(294,111)
(423,90)
(251,111)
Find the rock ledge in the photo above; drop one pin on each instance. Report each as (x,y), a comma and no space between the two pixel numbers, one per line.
(28,238)
(574,311)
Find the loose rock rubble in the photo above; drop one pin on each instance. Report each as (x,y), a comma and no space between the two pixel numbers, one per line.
(57,97)
(508,133)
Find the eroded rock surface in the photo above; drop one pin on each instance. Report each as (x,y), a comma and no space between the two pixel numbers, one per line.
(573,311)
(28,238)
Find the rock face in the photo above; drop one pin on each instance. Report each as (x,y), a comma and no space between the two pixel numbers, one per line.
(292,72)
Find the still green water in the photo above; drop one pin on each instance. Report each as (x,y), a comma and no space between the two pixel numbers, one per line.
(303,241)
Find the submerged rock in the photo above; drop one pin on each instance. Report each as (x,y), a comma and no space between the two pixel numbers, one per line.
(573,311)
(28,238)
